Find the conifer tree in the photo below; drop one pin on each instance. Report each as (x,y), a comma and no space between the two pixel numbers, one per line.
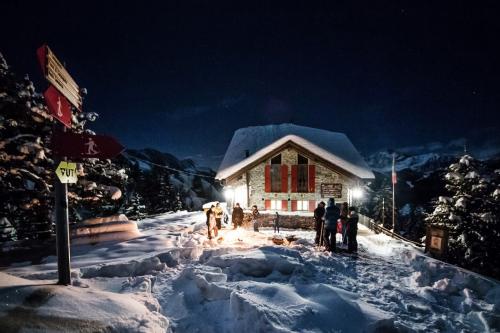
(470,213)
(382,204)
(26,169)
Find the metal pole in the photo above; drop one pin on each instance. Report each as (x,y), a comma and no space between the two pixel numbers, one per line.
(62,231)
(393,208)
(393,180)
(383,211)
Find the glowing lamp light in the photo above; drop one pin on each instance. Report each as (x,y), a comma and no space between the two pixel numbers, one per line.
(357,193)
(229,193)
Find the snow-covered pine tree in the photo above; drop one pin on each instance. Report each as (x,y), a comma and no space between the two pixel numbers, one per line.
(27,166)
(381,209)
(470,213)
(26,169)
(98,192)
(135,208)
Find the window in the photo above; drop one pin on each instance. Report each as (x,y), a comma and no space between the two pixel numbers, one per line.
(276,173)
(276,159)
(302,205)
(302,173)
(275,204)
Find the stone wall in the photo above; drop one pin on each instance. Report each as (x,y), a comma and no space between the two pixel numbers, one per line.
(286,221)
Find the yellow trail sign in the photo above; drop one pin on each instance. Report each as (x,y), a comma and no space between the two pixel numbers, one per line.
(66,172)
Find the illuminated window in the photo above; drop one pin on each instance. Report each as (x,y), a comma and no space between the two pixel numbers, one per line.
(302,205)
(275,204)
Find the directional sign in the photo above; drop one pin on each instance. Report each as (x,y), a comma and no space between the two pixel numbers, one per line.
(58,105)
(79,146)
(56,74)
(66,172)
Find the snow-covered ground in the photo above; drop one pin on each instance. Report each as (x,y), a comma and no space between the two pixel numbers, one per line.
(173,278)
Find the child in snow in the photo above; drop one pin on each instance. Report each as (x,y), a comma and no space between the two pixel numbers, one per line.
(255,218)
(352,231)
(277,223)
(211,222)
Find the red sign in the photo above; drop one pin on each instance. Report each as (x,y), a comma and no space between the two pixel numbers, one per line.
(58,105)
(80,146)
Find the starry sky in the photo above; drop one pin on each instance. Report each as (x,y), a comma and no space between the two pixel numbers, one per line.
(182,76)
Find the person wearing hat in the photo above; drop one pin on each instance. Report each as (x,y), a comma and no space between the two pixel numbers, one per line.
(332,214)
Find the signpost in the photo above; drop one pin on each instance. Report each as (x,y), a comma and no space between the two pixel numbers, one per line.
(80,146)
(66,172)
(58,76)
(61,94)
(331,190)
(436,241)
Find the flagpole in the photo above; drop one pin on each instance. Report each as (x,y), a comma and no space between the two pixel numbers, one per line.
(383,211)
(393,192)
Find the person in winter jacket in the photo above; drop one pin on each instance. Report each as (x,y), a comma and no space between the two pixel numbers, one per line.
(237,216)
(352,231)
(277,223)
(343,219)
(211,222)
(255,218)
(332,214)
(319,218)
(218,215)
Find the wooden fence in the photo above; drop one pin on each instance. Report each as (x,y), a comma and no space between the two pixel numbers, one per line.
(377,228)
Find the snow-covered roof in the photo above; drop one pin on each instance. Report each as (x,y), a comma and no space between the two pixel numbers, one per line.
(259,141)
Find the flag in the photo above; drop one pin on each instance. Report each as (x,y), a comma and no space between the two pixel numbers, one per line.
(394,177)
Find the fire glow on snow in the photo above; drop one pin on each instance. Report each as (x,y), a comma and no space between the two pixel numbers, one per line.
(172,278)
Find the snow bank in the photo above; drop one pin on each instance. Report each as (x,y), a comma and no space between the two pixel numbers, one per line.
(243,283)
(37,306)
(264,290)
(266,307)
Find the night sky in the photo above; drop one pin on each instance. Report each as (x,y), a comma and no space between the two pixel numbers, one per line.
(182,78)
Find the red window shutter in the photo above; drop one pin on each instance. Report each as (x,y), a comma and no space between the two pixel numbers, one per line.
(267,179)
(284,178)
(312,205)
(312,178)
(284,205)
(267,204)
(294,205)
(294,179)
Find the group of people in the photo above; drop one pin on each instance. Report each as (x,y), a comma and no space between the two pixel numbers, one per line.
(329,221)
(214,220)
(332,220)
